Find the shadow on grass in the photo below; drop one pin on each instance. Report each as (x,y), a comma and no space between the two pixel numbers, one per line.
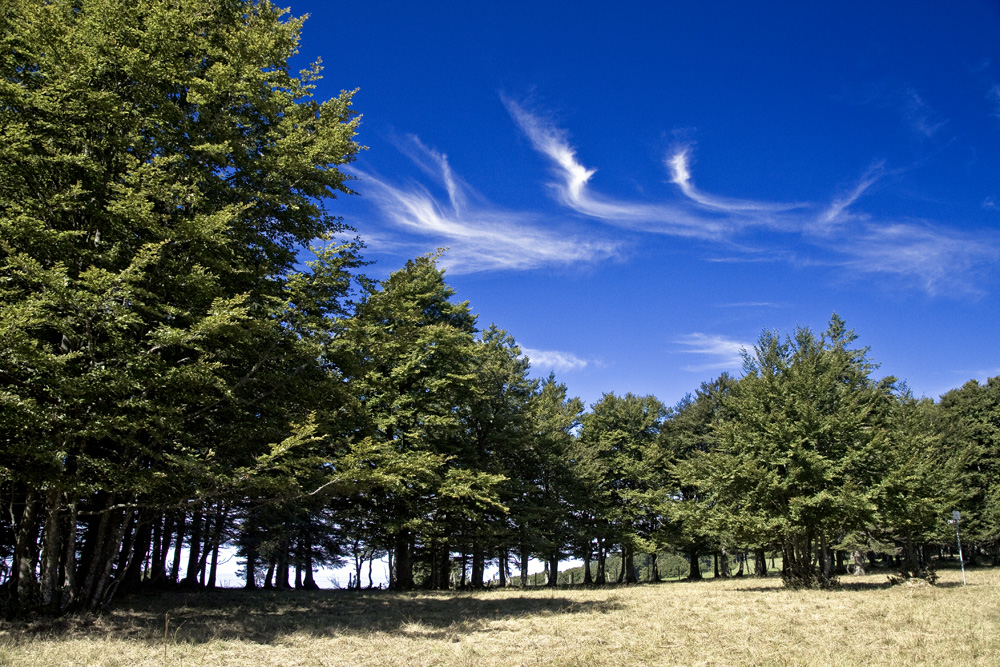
(266,616)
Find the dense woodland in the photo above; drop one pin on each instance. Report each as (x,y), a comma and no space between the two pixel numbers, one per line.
(191,359)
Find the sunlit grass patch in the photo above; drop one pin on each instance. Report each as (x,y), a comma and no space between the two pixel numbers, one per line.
(743,621)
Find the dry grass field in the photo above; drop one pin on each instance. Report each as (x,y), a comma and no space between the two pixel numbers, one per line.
(726,622)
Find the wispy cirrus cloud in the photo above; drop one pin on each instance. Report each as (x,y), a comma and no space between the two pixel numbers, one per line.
(480,236)
(720,352)
(680,175)
(925,254)
(934,258)
(572,187)
(554,360)
(836,212)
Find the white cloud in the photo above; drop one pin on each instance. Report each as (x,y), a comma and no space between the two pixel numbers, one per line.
(722,352)
(934,258)
(680,175)
(554,360)
(480,237)
(835,212)
(573,191)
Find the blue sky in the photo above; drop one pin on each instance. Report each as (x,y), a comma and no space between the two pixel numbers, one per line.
(636,190)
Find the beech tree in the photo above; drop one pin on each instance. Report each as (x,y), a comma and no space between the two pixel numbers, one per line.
(414,378)
(793,458)
(159,168)
(687,436)
(617,449)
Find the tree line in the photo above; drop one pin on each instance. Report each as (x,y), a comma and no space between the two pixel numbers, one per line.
(192,360)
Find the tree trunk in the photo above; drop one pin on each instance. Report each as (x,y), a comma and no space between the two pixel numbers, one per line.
(553,567)
(307,566)
(628,565)
(175,567)
(139,549)
(271,563)
(25,551)
(502,567)
(404,564)
(654,568)
(69,560)
(694,565)
(524,567)
(157,561)
(52,550)
(724,563)
(478,565)
(281,581)
(602,562)
(194,551)
(760,562)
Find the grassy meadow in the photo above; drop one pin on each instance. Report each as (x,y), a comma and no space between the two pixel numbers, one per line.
(743,621)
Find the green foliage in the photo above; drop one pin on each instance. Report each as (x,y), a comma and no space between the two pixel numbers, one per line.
(970,438)
(159,168)
(797,447)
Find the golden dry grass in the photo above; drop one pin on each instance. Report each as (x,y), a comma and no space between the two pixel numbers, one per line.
(726,622)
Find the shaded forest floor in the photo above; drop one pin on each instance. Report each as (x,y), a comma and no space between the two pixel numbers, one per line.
(737,621)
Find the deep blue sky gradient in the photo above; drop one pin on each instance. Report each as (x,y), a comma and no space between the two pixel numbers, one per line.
(881,120)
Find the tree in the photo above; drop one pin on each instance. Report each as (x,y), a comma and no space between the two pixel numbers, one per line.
(414,376)
(970,432)
(159,168)
(617,447)
(687,436)
(792,461)
(499,431)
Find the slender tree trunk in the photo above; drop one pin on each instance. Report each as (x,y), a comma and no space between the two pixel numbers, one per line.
(602,563)
(156,560)
(69,560)
(478,565)
(307,566)
(175,567)
(110,533)
(524,567)
(194,551)
(502,567)
(52,550)
(654,568)
(25,550)
(139,548)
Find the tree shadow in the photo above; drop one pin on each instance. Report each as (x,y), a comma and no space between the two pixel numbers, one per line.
(266,616)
